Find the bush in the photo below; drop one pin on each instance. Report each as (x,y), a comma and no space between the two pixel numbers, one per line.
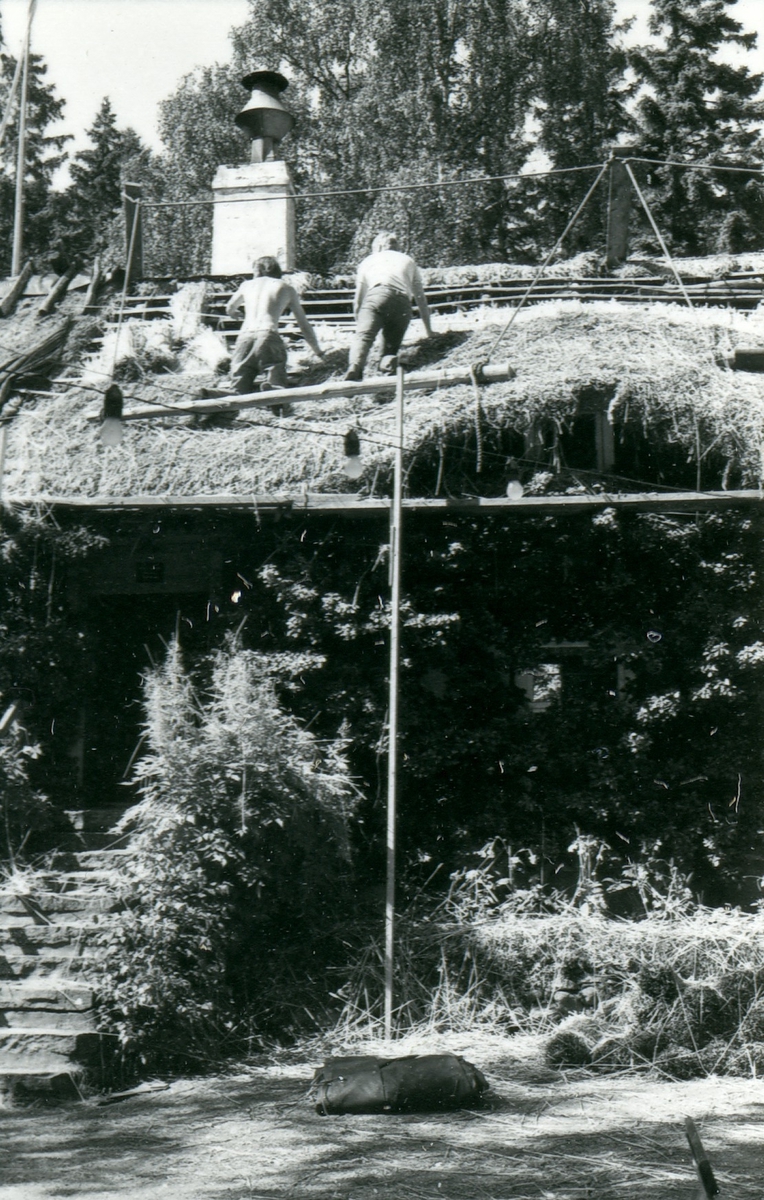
(23,808)
(236,861)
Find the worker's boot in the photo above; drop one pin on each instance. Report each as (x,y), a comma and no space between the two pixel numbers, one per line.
(353,375)
(388,364)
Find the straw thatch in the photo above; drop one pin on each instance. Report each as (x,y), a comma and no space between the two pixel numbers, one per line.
(659,368)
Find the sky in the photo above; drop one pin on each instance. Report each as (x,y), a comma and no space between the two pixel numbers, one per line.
(135,51)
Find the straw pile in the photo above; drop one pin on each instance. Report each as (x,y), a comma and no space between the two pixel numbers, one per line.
(681,994)
(661,368)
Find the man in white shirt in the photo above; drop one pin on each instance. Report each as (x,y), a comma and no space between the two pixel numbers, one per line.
(259,348)
(385,284)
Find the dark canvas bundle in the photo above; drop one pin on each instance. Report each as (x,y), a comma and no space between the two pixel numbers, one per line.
(419,1083)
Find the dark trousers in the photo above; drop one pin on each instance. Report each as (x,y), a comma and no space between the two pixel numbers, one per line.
(383,308)
(256,352)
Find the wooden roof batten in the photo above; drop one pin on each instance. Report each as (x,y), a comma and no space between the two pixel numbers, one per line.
(352,505)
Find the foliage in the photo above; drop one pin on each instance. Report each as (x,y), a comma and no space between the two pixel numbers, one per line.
(83,214)
(647,632)
(235,865)
(580,104)
(470,95)
(23,808)
(43,652)
(44,156)
(696,106)
(377,106)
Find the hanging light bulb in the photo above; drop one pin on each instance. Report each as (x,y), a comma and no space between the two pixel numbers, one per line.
(111,416)
(353,467)
(515,489)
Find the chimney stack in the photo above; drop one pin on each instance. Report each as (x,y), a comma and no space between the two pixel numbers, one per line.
(253,213)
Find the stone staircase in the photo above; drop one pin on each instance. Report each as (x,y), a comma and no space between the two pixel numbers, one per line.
(49,1044)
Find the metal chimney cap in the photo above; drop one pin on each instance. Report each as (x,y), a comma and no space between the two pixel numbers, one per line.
(268,81)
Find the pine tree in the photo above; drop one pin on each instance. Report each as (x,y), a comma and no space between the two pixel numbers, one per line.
(580,96)
(695,107)
(88,206)
(44,155)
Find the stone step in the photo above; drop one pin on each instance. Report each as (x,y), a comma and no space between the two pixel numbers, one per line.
(32,938)
(53,993)
(82,859)
(87,879)
(98,819)
(33,1020)
(22,1085)
(25,966)
(45,907)
(42,1050)
(100,857)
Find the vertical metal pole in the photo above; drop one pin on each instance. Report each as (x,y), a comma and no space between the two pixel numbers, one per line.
(21,158)
(392,757)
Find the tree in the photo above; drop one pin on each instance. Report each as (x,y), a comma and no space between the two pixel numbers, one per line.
(380,104)
(85,211)
(405,94)
(696,107)
(42,651)
(24,809)
(44,157)
(580,99)
(235,864)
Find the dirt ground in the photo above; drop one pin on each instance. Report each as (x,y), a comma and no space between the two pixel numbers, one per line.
(255,1133)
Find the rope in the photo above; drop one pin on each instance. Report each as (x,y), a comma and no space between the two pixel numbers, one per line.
(657,232)
(697,166)
(549,258)
(411,187)
(365,191)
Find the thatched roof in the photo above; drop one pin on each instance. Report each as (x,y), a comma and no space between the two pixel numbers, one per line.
(660,368)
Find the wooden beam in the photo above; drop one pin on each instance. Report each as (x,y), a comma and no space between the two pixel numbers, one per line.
(96,279)
(16,290)
(131,200)
(57,292)
(338,504)
(333,389)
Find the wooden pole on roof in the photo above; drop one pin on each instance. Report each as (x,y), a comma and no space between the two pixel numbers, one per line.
(21,157)
(392,723)
(618,207)
(132,194)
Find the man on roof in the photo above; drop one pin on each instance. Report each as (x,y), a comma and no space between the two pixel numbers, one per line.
(259,348)
(386,282)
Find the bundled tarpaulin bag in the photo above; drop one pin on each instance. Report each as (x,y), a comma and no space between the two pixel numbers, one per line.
(419,1083)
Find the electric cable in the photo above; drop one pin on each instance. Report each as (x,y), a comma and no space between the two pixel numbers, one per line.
(374,190)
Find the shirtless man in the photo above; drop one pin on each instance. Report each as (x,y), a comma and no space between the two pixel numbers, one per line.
(259,347)
(385,283)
